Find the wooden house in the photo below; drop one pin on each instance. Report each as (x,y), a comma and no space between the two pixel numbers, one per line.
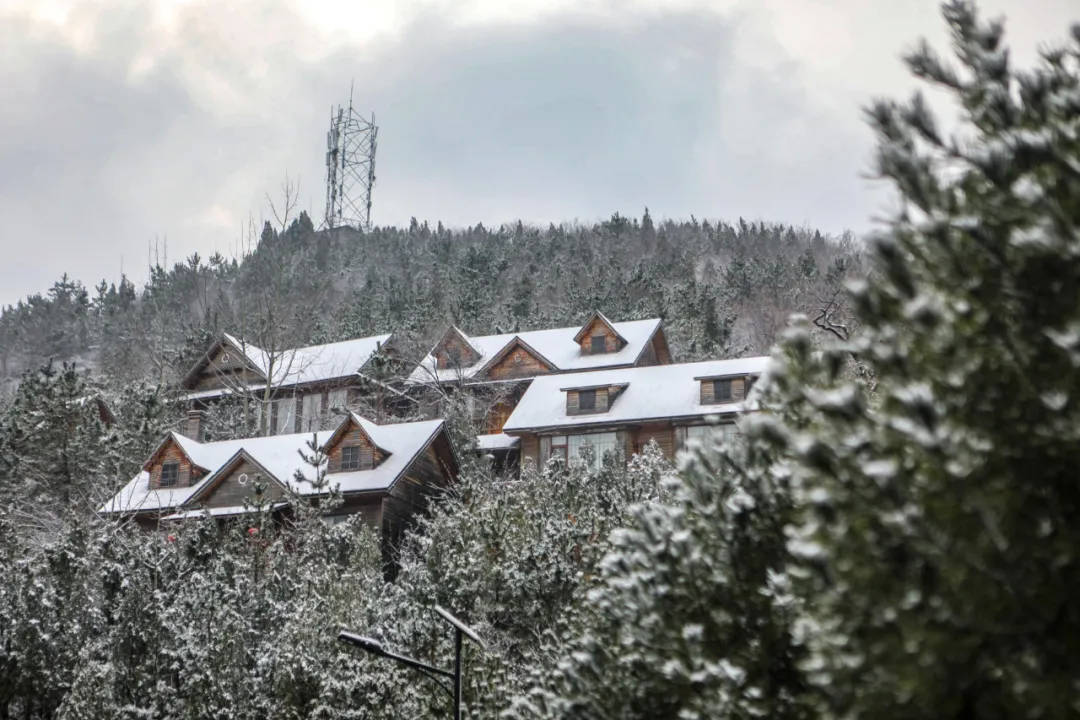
(386,473)
(302,389)
(622,410)
(497,369)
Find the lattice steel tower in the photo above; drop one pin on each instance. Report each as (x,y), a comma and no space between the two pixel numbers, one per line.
(350,167)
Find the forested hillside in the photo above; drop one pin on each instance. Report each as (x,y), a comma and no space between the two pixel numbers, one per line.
(722,290)
(894,535)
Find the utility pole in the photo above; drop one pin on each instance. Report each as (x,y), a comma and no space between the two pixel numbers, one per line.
(461,631)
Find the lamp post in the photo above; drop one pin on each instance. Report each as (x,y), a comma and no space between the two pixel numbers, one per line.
(461,631)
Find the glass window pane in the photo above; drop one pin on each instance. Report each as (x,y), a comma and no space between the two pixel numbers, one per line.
(722,390)
(286,415)
(311,413)
(598,444)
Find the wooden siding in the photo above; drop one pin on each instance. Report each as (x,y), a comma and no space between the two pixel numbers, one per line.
(517,363)
(664,435)
(452,343)
(367,506)
(226,367)
(353,435)
(497,415)
(171,452)
(410,498)
(229,492)
(598,328)
(530,450)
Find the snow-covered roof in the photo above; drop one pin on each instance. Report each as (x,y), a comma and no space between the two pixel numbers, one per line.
(555,345)
(496,441)
(279,456)
(650,393)
(217,511)
(315,362)
(296,366)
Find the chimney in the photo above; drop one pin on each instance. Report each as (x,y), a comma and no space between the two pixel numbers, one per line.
(193,427)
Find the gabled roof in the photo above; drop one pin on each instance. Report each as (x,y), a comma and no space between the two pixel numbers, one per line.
(225,341)
(597,316)
(556,345)
(279,455)
(208,485)
(455,331)
(508,348)
(296,366)
(352,419)
(656,392)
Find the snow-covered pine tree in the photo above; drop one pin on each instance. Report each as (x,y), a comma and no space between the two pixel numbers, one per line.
(692,615)
(937,533)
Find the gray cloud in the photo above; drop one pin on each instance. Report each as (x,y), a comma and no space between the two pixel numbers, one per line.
(130,131)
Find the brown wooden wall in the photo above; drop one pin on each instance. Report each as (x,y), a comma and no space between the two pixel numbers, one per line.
(664,434)
(530,450)
(353,435)
(519,362)
(171,452)
(369,507)
(218,370)
(228,492)
(410,498)
(450,344)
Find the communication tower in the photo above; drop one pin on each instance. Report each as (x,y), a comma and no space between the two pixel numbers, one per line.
(350,167)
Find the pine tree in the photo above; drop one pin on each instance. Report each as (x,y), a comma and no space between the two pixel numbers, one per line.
(937,538)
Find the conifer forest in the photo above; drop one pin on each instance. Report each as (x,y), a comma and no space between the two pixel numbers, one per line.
(893,533)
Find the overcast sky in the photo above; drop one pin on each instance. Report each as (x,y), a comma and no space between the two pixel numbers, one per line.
(122,122)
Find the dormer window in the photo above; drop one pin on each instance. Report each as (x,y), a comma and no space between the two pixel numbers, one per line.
(170,474)
(356,457)
(598,344)
(596,399)
(719,390)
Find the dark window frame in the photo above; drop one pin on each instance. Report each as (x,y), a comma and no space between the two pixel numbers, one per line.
(559,451)
(351,456)
(582,405)
(593,348)
(174,475)
(727,395)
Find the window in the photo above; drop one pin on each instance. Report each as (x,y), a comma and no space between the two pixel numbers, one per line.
(311,412)
(558,448)
(722,390)
(586,400)
(356,457)
(170,474)
(590,449)
(704,433)
(286,415)
(598,343)
(337,399)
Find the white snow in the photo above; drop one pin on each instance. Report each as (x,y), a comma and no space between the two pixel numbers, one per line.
(555,345)
(496,441)
(279,455)
(297,366)
(652,393)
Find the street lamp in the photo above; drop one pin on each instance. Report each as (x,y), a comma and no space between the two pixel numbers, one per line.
(461,631)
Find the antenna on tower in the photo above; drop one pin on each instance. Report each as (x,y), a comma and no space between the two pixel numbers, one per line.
(350,167)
